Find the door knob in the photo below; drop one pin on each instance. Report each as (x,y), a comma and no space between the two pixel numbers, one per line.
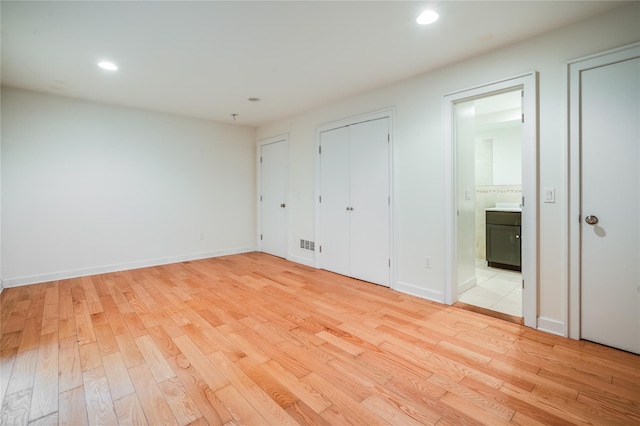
(591,220)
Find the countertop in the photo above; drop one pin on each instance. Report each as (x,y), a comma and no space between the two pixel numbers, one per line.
(504,209)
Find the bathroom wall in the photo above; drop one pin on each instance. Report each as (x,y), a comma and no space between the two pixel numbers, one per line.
(498,173)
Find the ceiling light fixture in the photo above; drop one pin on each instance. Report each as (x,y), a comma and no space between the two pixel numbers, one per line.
(109,66)
(427,17)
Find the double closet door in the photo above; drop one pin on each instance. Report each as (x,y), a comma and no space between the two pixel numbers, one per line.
(355,201)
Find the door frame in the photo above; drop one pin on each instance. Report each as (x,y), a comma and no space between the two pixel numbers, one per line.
(529,83)
(385,113)
(280,138)
(574,70)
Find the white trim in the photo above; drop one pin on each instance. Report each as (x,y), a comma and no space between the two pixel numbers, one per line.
(528,82)
(573,70)
(280,138)
(467,285)
(551,326)
(302,260)
(420,291)
(375,115)
(63,275)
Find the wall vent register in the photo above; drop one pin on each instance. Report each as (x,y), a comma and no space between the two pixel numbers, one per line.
(307,245)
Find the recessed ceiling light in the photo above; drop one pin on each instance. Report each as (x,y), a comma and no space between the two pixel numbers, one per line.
(106,65)
(427,17)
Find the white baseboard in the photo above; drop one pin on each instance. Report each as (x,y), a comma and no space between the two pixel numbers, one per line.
(414,290)
(302,260)
(551,326)
(467,285)
(63,275)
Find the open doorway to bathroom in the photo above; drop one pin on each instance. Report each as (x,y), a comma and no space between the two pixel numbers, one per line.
(489,190)
(471,111)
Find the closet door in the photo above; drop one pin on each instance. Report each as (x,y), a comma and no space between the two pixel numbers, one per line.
(370,202)
(354,207)
(334,190)
(273,198)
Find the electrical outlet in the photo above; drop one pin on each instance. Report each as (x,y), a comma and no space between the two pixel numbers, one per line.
(201,236)
(427,262)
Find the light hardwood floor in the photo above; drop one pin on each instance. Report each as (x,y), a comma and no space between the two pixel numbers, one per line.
(253,339)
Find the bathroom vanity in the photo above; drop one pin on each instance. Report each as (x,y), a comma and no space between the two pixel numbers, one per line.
(503,243)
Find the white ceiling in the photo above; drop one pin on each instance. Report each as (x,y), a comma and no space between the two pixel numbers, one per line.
(206,58)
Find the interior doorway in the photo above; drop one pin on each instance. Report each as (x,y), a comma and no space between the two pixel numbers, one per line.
(491,201)
(354,198)
(489,191)
(272,196)
(604,95)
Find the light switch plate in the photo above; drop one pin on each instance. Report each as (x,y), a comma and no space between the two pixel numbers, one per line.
(549,195)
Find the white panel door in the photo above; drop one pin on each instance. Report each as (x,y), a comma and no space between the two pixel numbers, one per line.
(273,185)
(370,203)
(610,192)
(334,190)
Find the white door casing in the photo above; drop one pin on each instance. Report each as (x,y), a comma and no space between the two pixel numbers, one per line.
(605,146)
(529,227)
(272,197)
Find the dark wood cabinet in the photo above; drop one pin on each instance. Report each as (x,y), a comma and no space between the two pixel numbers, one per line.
(503,239)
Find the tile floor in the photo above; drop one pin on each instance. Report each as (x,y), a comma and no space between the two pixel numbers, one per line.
(497,289)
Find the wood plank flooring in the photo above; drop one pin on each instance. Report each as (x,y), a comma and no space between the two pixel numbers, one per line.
(253,339)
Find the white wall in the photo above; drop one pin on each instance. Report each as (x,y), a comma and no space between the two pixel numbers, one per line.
(466,197)
(507,154)
(419,152)
(88,187)
(1,282)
